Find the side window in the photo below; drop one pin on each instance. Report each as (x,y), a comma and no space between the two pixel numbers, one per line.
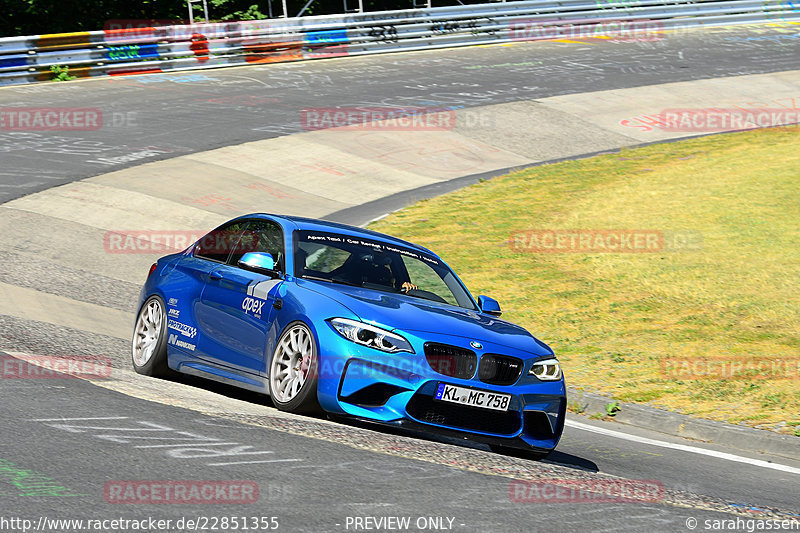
(428,280)
(260,236)
(217,245)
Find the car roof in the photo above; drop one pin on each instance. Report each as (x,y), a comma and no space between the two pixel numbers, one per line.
(313,224)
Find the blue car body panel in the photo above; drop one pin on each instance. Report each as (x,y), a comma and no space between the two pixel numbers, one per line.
(224,323)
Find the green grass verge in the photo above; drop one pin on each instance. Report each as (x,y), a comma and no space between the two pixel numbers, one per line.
(614,319)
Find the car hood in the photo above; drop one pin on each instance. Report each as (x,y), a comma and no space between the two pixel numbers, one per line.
(406,313)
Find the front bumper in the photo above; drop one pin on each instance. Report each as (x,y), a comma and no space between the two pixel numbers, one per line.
(399,389)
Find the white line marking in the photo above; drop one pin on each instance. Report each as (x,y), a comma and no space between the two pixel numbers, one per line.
(683,447)
(377,219)
(69,419)
(254,462)
(194,444)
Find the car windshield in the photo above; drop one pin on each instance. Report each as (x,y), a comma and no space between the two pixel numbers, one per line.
(370,264)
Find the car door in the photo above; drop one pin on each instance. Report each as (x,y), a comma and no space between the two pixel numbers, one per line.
(238,306)
(187,280)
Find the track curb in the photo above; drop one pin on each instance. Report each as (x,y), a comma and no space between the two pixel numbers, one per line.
(680,425)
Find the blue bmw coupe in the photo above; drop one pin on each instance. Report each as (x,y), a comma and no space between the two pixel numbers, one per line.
(327,317)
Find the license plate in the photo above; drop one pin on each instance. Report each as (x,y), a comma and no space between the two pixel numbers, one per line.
(476,398)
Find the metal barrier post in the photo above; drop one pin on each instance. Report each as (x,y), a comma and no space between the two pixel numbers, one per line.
(360,8)
(191,12)
(304,8)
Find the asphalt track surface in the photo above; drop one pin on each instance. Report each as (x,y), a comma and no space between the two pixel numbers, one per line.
(81,436)
(185,112)
(322,472)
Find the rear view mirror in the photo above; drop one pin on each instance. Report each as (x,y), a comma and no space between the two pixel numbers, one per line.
(260,262)
(489,306)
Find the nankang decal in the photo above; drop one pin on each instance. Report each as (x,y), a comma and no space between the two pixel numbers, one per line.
(175,341)
(174,313)
(132,52)
(182,328)
(172,302)
(253,305)
(330,36)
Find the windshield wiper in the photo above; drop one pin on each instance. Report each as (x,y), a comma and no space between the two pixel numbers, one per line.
(316,278)
(345,282)
(340,281)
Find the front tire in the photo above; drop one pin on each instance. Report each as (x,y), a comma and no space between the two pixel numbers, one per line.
(149,345)
(293,371)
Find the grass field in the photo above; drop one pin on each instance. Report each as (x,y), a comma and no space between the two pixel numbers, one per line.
(721,298)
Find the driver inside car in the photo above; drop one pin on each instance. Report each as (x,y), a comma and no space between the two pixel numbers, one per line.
(380,271)
(373,267)
(408,286)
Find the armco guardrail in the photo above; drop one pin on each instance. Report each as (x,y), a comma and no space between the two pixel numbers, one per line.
(200,46)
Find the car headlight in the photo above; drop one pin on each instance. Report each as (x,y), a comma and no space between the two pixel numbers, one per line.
(371,336)
(546,370)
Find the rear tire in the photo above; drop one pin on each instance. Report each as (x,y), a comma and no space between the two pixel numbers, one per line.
(293,371)
(149,344)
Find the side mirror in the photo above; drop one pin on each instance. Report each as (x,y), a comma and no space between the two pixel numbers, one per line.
(489,306)
(260,262)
